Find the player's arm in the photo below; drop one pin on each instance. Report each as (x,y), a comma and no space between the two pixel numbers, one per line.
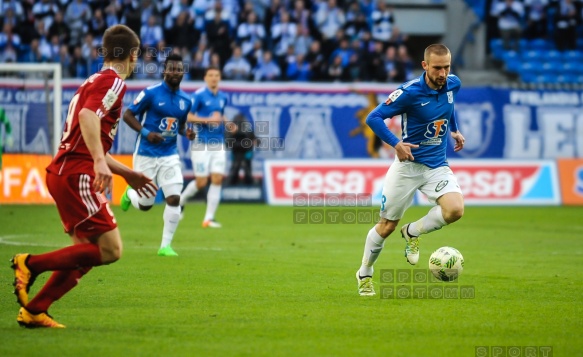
(455,134)
(216,117)
(185,130)
(90,126)
(130,119)
(137,180)
(394,105)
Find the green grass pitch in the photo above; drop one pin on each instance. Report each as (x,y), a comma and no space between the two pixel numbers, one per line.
(263,285)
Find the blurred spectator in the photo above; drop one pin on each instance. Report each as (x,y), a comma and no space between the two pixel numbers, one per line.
(249,32)
(200,8)
(148,66)
(9,44)
(147,10)
(65,61)
(566,25)
(298,69)
(78,67)
(382,22)
(267,69)
(301,16)
(375,66)
(536,18)
(95,62)
(97,25)
(60,29)
(316,61)
(197,67)
(9,18)
(54,49)
(352,72)
(272,14)
(224,14)
(35,55)
(87,46)
(283,34)
(303,40)
(162,51)
(45,10)
(111,13)
(335,69)
(217,31)
(237,66)
(344,52)
(256,54)
(151,33)
(12,9)
(215,61)
(405,65)
(329,18)
(356,27)
(397,37)
(132,15)
(78,13)
(390,64)
(183,34)
(509,14)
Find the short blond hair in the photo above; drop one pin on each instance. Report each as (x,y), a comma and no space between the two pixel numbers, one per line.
(435,49)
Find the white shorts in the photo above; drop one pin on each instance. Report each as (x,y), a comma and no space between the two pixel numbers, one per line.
(165,171)
(404,178)
(208,160)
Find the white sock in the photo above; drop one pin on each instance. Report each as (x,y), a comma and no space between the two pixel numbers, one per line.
(429,223)
(133,196)
(188,192)
(372,248)
(212,201)
(171,218)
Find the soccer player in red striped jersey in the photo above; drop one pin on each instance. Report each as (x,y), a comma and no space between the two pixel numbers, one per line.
(77,178)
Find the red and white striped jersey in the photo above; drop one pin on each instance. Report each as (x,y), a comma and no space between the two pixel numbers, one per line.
(101,93)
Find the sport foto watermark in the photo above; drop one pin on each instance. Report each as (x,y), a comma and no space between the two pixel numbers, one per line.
(514,351)
(263,140)
(421,284)
(334,208)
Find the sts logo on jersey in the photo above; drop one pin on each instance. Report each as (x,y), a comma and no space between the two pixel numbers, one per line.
(168,126)
(435,130)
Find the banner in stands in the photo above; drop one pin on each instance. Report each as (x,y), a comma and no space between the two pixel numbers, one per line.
(483,182)
(327,121)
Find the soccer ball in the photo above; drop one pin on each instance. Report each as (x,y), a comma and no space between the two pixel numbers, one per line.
(446,263)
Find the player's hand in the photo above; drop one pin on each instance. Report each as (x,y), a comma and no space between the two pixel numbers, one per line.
(103,181)
(459,140)
(190,134)
(142,184)
(403,151)
(155,138)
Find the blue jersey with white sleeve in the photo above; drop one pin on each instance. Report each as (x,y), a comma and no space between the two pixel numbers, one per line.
(204,104)
(427,117)
(162,110)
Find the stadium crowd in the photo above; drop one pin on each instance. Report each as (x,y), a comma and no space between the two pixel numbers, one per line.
(260,40)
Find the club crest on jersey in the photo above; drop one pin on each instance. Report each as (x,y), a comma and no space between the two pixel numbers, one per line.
(181,104)
(393,96)
(450,97)
(435,130)
(168,126)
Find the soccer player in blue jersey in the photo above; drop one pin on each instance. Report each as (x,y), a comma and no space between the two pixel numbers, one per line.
(208,150)
(162,110)
(426,105)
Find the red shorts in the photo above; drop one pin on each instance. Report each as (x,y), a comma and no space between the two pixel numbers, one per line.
(83,211)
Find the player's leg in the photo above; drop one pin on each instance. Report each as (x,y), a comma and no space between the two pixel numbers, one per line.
(171,182)
(200,167)
(397,196)
(217,170)
(149,167)
(441,188)
(66,274)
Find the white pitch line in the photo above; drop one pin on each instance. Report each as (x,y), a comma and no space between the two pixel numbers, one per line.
(10,239)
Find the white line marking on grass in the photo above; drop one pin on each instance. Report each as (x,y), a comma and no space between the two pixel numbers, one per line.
(15,240)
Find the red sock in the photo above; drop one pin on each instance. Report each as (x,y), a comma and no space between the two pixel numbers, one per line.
(60,283)
(68,258)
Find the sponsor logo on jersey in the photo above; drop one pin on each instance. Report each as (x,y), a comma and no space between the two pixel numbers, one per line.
(168,126)
(450,97)
(181,104)
(393,96)
(435,131)
(139,97)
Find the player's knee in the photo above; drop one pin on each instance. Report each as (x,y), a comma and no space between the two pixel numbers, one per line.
(110,254)
(385,228)
(173,200)
(453,213)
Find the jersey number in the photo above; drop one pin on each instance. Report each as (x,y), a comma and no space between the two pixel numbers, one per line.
(69,121)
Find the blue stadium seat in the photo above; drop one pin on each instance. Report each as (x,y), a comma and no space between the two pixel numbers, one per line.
(580,44)
(552,67)
(527,77)
(568,78)
(553,55)
(513,65)
(530,66)
(497,48)
(539,44)
(533,55)
(573,55)
(572,67)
